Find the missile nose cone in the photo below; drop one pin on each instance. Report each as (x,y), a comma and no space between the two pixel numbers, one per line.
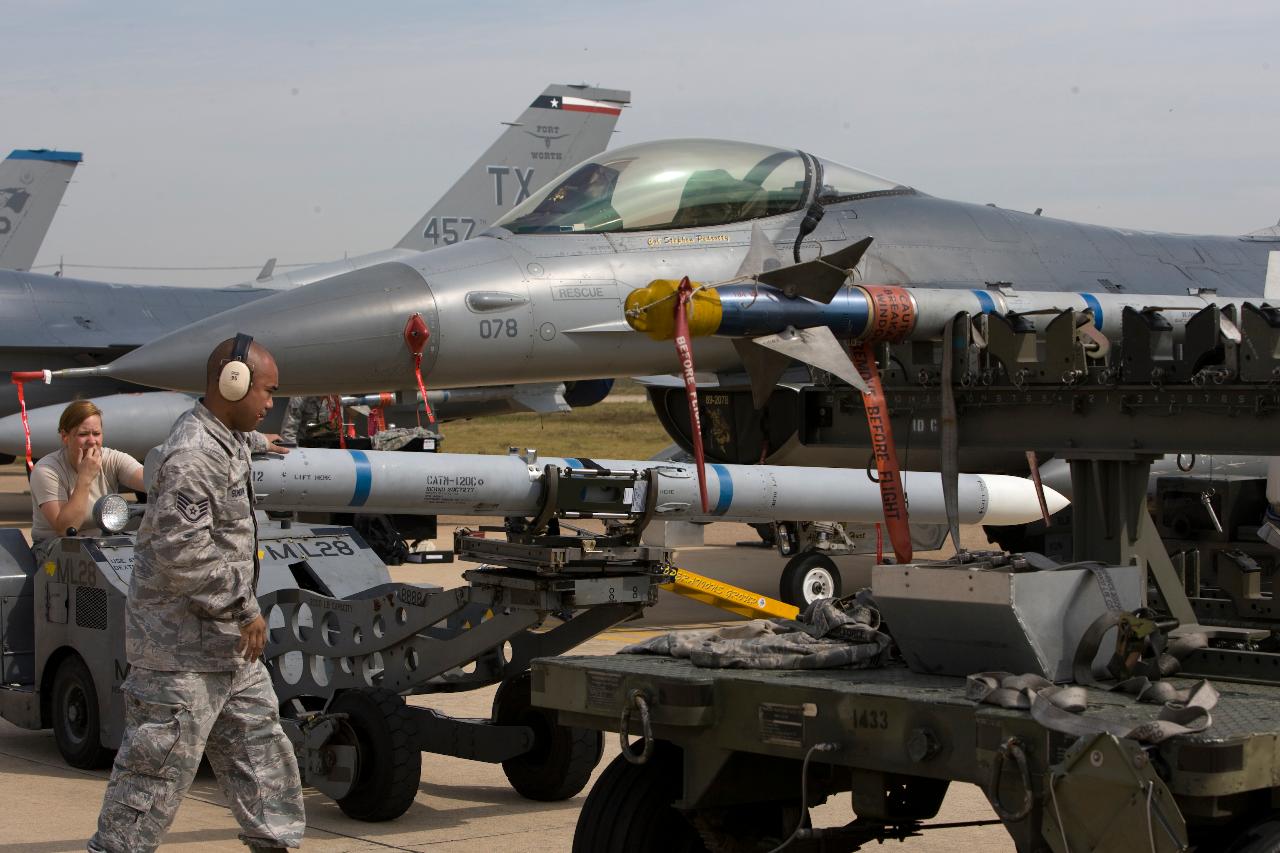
(1056,474)
(1012,500)
(338,335)
(1054,500)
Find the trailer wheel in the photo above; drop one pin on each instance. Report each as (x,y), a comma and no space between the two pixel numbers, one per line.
(388,763)
(562,758)
(1262,837)
(630,808)
(807,577)
(77,728)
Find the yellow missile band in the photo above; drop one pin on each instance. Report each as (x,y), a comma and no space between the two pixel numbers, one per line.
(652,310)
(727,597)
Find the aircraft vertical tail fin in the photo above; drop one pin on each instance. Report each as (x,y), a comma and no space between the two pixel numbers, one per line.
(562,127)
(31,186)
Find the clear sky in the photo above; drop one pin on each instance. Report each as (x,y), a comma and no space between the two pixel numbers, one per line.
(224,133)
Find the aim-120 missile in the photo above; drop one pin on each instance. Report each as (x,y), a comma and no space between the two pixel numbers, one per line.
(817,318)
(313,479)
(873,312)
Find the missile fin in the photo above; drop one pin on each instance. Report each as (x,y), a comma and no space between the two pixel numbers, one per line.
(762,256)
(816,346)
(821,278)
(543,398)
(764,367)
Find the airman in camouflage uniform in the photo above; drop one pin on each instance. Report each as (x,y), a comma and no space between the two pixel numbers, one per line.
(308,418)
(193,635)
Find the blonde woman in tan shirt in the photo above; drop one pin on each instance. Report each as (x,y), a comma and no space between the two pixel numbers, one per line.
(65,485)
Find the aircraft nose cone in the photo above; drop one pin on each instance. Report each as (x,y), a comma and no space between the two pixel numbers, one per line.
(340,335)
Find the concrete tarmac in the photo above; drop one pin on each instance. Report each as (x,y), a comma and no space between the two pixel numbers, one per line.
(462,806)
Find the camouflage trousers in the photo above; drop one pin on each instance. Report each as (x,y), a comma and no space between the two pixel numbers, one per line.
(171,719)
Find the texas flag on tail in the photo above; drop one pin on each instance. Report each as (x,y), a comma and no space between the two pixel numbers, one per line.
(576,105)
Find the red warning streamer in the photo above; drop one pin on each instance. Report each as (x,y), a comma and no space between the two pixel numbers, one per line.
(892,498)
(684,352)
(26,427)
(338,418)
(416,335)
(19,378)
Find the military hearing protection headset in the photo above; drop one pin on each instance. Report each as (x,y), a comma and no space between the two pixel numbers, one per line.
(236,375)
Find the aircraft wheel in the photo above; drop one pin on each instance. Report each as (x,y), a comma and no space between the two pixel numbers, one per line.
(1262,837)
(807,577)
(562,758)
(629,808)
(388,763)
(77,729)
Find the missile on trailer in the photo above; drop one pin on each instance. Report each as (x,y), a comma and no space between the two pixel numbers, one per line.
(313,479)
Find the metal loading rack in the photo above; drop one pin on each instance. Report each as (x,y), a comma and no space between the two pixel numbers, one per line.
(729,752)
(342,665)
(540,591)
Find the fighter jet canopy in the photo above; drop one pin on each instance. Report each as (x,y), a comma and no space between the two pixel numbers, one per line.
(681,183)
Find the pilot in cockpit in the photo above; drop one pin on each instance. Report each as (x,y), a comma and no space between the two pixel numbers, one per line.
(584,201)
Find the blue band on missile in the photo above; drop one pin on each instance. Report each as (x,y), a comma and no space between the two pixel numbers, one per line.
(748,310)
(573,463)
(364,478)
(984,299)
(1096,306)
(726,489)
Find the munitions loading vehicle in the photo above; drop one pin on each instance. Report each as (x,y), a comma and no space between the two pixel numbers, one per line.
(732,759)
(347,644)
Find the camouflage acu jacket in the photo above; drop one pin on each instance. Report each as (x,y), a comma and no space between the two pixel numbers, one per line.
(196,561)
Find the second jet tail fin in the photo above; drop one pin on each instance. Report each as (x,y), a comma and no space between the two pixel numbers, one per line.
(562,127)
(31,186)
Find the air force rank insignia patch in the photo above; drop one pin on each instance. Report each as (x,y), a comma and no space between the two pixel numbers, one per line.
(192,510)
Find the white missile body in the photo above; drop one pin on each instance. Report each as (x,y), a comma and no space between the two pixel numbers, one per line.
(473,484)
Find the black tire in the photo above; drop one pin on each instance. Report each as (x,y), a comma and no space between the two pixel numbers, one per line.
(562,758)
(807,577)
(77,727)
(1262,837)
(630,808)
(389,765)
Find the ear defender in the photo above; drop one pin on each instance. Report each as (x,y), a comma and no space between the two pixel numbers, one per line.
(236,377)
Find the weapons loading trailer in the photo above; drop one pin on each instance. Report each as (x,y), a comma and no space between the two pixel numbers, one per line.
(731,753)
(347,644)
